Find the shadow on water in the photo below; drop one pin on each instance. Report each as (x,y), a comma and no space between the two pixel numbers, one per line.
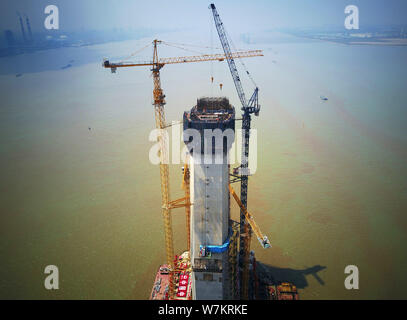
(274,275)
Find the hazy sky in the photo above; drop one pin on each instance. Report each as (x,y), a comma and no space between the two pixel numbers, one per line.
(194,14)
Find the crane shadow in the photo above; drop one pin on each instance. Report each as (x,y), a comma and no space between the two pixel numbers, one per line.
(274,275)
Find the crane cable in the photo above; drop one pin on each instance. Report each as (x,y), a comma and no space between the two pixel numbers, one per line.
(183,45)
(134,53)
(193,45)
(182,48)
(239,59)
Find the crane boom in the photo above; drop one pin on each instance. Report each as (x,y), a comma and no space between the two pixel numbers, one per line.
(264,241)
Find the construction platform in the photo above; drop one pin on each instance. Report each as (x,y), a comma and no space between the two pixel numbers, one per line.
(181,279)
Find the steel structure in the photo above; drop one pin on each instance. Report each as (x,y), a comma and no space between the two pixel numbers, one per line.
(248,108)
(200,58)
(159,103)
(264,241)
(187,188)
(233,261)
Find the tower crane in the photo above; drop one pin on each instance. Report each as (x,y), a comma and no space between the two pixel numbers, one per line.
(159,102)
(248,108)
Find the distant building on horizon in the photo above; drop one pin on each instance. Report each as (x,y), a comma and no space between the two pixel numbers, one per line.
(22,28)
(30,35)
(9,36)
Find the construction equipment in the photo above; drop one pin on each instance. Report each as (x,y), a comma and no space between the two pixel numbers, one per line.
(159,63)
(252,106)
(264,241)
(187,188)
(159,102)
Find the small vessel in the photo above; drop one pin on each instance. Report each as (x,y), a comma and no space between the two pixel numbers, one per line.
(67,66)
(323,98)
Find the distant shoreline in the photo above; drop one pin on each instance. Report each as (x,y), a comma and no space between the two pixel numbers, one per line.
(382,42)
(374,42)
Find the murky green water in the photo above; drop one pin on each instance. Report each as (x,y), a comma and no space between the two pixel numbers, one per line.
(330,187)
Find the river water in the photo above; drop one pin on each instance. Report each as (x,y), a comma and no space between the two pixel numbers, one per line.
(78,190)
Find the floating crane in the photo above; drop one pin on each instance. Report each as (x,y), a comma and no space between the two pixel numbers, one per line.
(159,102)
(248,108)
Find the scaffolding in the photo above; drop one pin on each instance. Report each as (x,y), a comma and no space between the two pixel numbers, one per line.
(233,261)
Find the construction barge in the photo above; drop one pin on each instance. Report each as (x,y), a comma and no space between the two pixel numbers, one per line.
(259,288)
(181,279)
